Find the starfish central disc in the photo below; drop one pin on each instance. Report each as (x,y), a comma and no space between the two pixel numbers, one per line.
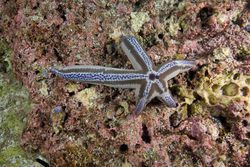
(152,76)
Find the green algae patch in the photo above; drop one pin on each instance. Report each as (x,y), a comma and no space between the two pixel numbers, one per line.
(243,52)
(183,92)
(231,89)
(11,154)
(14,106)
(57,117)
(116,34)
(5,56)
(212,99)
(223,88)
(87,97)
(221,54)
(123,108)
(196,108)
(44,89)
(72,87)
(77,151)
(248,81)
(174,26)
(138,19)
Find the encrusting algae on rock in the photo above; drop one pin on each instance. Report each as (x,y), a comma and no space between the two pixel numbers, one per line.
(209,127)
(138,19)
(87,97)
(224,88)
(14,107)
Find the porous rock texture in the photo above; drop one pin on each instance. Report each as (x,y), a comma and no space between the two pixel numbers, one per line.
(76,124)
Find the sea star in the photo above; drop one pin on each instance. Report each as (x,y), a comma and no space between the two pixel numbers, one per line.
(148,80)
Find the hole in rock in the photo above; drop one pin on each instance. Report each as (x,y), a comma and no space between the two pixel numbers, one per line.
(244,91)
(123,148)
(248,134)
(59,58)
(204,15)
(160,36)
(224,123)
(175,119)
(62,12)
(236,76)
(244,123)
(145,134)
(137,146)
(143,164)
(71,93)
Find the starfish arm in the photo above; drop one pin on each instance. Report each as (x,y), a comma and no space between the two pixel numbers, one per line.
(140,105)
(136,54)
(165,95)
(101,75)
(167,98)
(143,97)
(172,68)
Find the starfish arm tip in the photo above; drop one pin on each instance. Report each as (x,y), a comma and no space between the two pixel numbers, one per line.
(53,70)
(140,106)
(168,100)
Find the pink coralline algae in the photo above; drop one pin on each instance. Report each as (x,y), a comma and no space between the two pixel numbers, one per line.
(95,126)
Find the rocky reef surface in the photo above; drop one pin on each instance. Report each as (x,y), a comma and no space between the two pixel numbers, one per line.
(75,124)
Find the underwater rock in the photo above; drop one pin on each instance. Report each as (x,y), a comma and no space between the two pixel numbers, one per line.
(95,126)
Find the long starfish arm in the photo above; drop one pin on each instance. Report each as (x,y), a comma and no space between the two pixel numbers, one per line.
(136,54)
(172,68)
(143,97)
(101,75)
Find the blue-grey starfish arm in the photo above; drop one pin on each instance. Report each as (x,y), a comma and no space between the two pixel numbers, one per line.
(136,54)
(172,68)
(167,98)
(164,94)
(143,97)
(114,77)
